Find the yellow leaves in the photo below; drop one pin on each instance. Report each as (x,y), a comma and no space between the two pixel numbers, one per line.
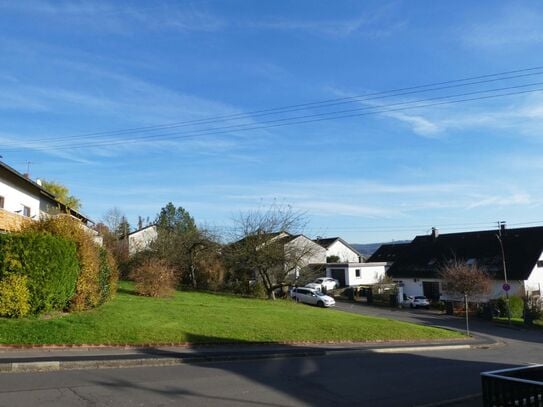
(14,296)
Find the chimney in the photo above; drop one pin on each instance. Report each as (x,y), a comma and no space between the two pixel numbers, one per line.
(435,233)
(26,175)
(502,227)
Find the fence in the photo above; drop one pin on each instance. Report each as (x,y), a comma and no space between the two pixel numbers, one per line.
(513,387)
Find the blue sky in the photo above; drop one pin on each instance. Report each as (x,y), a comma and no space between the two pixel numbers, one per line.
(73,68)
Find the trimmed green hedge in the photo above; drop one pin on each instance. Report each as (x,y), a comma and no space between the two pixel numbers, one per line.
(50,264)
(107,276)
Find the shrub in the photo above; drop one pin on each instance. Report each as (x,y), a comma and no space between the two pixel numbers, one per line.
(88,288)
(108,276)
(154,278)
(14,296)
(516,306)
(49,263)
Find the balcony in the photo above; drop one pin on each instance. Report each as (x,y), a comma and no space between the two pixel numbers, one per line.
(521,386)
(11,222)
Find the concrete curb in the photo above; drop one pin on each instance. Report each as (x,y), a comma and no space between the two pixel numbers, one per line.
(133,360)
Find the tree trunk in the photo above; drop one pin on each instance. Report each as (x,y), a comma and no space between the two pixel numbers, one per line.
(467,318)
(193,276)
(268,285)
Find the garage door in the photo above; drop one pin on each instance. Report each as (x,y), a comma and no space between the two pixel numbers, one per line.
(339,275)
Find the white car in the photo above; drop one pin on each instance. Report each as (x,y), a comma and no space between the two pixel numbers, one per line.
(416,302)
(314,286)
(325,283)
(311,296)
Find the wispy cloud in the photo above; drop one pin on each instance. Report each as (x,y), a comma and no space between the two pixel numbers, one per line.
(512,25)
(367,25)
(120,18)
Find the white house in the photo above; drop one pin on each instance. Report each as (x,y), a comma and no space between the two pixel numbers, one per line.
(300,245)
(141,239)
(337,247)
(416,265)
(353,274)
(23,200)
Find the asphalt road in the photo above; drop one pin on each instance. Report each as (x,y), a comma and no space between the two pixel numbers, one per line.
(368,379)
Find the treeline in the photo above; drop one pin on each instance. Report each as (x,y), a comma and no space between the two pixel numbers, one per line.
(250,260)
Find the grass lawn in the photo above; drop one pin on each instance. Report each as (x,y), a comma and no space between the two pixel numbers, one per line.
(197,317)
(520,322)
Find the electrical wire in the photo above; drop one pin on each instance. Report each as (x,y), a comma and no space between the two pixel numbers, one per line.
(318,104)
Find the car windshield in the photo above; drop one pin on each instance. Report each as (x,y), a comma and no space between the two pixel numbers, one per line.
(320,294)
(319,280)
(420,298)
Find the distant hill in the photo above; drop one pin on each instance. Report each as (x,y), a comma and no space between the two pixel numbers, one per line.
(369,248)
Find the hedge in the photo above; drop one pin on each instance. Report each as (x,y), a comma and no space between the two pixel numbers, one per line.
(108,275)
(49,263)
(89,291)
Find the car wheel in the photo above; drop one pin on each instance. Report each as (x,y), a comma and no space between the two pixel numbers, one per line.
(411,305)
(427,307)
(296,299)
(320,304)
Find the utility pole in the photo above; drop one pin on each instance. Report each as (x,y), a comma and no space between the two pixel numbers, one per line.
(501,226)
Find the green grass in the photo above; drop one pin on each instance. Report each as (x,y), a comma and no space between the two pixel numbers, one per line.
(197,317)
(520,322)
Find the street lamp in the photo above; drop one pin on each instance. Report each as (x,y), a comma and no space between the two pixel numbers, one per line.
(499,237)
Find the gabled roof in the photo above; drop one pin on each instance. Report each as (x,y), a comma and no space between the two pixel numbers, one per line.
(329,241)
(389,252)
(426,255)
(38,189)
(142,229)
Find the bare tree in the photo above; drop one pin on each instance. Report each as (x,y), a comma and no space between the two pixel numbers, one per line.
(268,248)
(465,281)
(114,229)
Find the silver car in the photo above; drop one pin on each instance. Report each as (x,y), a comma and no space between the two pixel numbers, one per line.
(417,301)
(311,296)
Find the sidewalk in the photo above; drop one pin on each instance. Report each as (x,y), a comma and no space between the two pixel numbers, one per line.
(91,357)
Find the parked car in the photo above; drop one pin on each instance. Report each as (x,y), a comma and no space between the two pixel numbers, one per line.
(314,286)
(311,296)
(416,301)
(324,284)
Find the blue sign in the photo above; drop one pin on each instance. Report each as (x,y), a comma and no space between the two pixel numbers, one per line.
(506,287)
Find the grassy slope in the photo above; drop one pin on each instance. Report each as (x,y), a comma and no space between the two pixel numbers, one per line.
(203,317)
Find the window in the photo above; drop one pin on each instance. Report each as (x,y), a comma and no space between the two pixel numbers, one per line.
(1,202)
(26,211)
(357,272)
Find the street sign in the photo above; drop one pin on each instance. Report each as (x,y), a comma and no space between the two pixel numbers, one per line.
(506,287)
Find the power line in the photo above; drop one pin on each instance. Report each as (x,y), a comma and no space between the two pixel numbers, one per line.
(319,104)
(411,228)
(292,121)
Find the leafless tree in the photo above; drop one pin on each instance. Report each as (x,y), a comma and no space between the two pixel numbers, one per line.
(267,247)
(465,281)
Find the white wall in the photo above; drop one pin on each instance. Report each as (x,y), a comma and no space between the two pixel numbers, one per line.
(345,254)
(14,199)
(535,280)
(413,286)
(141,239)
(313,253)
(370,273)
